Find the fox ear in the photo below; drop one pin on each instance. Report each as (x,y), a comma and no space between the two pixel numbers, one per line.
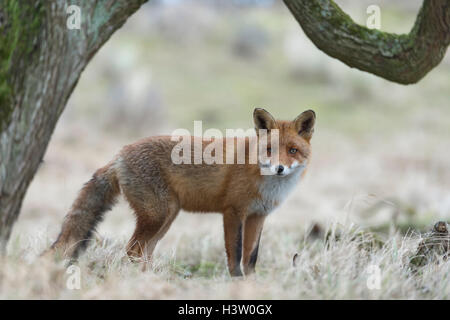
(263,119)
(304,124)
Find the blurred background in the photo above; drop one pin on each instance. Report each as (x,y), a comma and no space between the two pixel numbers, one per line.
(380,152)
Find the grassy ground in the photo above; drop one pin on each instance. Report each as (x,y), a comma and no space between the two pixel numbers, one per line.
(336,269)
(380,162)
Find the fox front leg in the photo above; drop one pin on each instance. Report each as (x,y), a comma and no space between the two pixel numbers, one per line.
(233,229)
(252,235)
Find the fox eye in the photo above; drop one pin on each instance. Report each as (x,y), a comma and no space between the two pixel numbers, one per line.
(292,150)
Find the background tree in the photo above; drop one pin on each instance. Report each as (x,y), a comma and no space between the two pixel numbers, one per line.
(41,60)
(404,58)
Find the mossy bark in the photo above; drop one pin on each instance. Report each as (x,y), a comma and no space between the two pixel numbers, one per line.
(404,59)
(41,61)
(14,37)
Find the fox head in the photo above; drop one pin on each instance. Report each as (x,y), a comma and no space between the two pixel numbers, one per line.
(290,152)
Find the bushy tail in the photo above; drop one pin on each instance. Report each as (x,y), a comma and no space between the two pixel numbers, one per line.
(97,196)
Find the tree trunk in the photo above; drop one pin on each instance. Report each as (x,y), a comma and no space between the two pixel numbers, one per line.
(404,59)
(41,60)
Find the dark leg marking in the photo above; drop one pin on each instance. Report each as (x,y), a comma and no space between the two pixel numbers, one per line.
(239,247)
(254,255)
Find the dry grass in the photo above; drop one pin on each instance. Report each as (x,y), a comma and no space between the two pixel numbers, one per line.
(337,269)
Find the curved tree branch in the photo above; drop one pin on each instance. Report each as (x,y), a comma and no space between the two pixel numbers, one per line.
(404,59)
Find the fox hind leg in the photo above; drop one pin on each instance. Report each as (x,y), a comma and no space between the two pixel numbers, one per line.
(151,225)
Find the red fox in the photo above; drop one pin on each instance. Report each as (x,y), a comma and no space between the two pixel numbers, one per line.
(157,188)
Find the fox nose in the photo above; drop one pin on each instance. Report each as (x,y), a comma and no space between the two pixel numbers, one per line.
(280,169)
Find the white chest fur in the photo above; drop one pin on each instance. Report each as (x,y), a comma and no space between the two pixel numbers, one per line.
(273,190)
